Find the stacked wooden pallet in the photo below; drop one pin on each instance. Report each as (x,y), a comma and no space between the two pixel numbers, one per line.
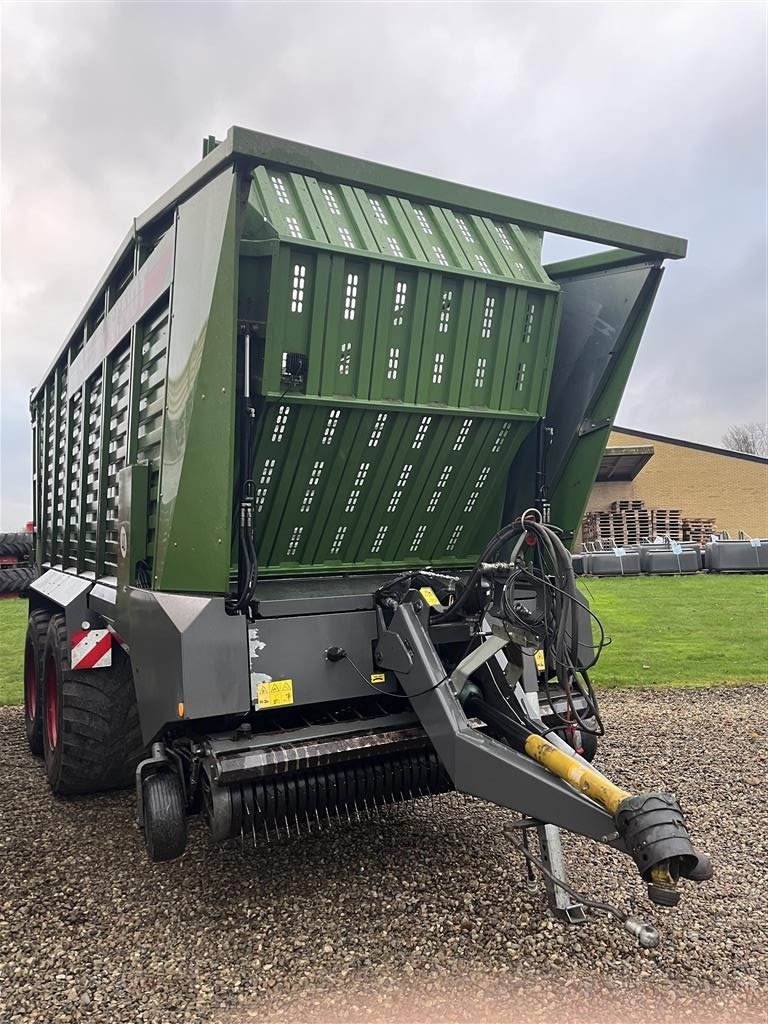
(668,522)
(620,527)
(699,530)
(628,523)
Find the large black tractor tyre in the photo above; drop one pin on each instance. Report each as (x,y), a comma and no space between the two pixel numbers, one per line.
(34,659)
(19,545)
(165,816)
(91,734)
(16,580)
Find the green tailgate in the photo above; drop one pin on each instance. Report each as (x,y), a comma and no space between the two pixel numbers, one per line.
(405,355)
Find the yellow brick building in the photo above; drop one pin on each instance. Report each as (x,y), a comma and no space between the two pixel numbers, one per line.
(702,481)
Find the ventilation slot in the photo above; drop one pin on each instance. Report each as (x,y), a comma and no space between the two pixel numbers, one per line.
(311,491)
(330,199)
(293,227)
(503,238)
(418,538)
(264,482)
(464,430)
(338,540)
(330,426)
(439,488)
(394,246)
(437,369)
(297,288)
(378,211)
(280,424)
(454,537)
(423,222)
(472,501)
(293,543)
(401,290)
(350,297)
(490,303)
(280,190)
(378,540)
(397,494)
(357,486)
(392,363)
(378,430)
(345,358)
(501,437)
(520,377)
(445,313)
(482,264)
(421,432)
(346,237)
(439,255)
(530,317)
(480,372)
(465,231)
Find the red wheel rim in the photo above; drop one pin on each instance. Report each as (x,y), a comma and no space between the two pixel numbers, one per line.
(30,683)
(51,704)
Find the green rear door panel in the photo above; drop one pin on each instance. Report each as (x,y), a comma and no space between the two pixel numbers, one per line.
(425,337)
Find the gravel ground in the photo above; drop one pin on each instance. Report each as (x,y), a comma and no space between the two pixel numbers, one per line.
(419,916)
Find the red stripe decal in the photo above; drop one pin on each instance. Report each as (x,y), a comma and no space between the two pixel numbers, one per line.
(96,653)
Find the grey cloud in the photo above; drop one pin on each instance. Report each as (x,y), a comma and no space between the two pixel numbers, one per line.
(647,114)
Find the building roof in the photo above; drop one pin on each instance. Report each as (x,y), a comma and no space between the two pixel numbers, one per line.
(623,463)
(690,444)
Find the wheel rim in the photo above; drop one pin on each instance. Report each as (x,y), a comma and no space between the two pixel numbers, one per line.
(51,704)
(30,683)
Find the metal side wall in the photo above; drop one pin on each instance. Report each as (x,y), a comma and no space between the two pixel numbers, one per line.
(605,301)
(196,477)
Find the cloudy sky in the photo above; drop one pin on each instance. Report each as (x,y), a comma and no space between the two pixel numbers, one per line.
(650,114)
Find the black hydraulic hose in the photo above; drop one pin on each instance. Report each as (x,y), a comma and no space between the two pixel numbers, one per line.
(505,534)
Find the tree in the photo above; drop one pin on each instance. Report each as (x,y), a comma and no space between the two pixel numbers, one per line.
(751,438)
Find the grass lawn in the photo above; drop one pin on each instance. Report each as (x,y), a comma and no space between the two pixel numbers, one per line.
(669,631)
(13,629)
(681,630)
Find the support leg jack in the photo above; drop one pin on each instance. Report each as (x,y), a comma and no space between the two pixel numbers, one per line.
(564,901)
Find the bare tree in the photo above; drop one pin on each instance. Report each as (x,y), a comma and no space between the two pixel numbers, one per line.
(751,438)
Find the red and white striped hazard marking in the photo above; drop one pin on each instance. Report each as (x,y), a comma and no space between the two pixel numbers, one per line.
(91,648)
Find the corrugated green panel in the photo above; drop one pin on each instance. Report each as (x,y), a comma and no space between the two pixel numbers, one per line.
(424,337)
(73,485)
(49,461)
(152,376)
(91,480)
(118,442)
(377,489)
(60,481)
(296,206)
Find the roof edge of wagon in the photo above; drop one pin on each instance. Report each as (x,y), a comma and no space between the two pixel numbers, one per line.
(244,143)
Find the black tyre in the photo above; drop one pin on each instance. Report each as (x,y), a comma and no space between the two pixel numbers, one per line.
(34,658)
(91,735)
(165,818)
(16,580)
(19,545)
(588,746)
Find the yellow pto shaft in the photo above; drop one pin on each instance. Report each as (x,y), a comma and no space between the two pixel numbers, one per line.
(586,780)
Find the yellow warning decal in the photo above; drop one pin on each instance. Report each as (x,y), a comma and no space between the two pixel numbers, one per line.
(538,657)
(378,677)
(276,694)
(430,596)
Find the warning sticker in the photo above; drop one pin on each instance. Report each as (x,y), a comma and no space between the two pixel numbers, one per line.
(538,657)
(429,596)
(378,677)
(275,694)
